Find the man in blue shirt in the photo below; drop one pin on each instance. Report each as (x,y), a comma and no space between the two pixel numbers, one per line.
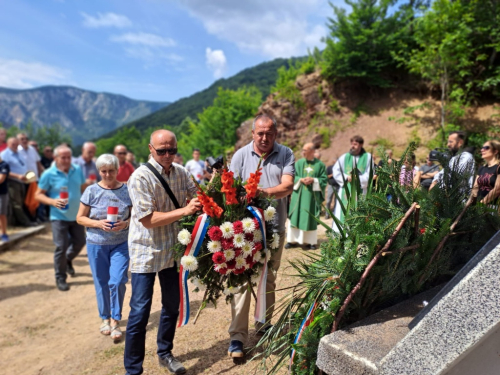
(68,236)
(17,178)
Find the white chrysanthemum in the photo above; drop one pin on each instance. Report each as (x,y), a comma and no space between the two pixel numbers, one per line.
(197,283)
(246,249)
(248,225)
(240,262)
(257,256)
(227,229)
(262,258)
(214,246)
(239,240)
(229,254)
(267,252)
(257,236)
(269,213)
(219,267)
(184,237)
(255,278)
(276,241)
(189,263)
(226,292)
(233,289)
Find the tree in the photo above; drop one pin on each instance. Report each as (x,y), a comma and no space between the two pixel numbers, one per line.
(360,43)
(215,131)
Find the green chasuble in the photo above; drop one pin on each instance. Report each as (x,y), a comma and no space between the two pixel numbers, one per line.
(304,199)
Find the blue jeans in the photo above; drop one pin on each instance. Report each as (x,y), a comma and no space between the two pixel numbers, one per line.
(109,265)
(140,308)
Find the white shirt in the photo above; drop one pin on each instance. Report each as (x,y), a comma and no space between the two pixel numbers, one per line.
(196,168)
(339,167)
(31,157)
(462,163)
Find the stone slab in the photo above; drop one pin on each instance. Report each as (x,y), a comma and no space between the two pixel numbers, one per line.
(359,349)
(454,326)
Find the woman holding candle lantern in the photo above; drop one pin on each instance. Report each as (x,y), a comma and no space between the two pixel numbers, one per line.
(105,211)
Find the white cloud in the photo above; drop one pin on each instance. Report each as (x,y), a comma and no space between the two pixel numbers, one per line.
(145,39)
(23,75)
(106,20)
(216,61)
(278,28)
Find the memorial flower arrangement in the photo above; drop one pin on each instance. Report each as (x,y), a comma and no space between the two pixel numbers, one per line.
(229,245)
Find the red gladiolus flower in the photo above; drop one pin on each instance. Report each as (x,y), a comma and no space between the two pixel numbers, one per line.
(209,206)
(215,233)
(227,180)
(253,184)
(218,257)
(238,227)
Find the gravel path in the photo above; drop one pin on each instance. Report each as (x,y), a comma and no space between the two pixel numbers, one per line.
(44,331)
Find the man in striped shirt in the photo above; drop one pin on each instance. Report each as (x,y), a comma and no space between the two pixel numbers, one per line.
(152,235)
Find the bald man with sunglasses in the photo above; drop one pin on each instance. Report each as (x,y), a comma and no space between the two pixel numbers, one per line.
(152,236)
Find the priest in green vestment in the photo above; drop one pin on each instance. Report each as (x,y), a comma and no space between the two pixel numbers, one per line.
(307,197)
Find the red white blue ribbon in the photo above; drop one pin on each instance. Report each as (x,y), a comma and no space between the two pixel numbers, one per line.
(260,306)
(305,323)
(193,248)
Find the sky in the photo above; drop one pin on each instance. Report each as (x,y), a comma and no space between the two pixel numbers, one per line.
(159,50)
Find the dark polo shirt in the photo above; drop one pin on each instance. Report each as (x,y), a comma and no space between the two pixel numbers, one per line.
(279,162)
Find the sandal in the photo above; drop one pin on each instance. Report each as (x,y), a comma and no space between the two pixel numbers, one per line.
(105,329)
(116,333)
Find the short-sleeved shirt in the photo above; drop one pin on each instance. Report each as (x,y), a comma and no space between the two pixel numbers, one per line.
(196,169)
(151,249)
(3,146)
(97,198)
(125,171)
(4,169)
(486,179)
(32,158)
(88,168)
(53,179)
(279,162)
(16,161)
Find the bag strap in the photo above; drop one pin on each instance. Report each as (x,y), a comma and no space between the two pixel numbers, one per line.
(165,185)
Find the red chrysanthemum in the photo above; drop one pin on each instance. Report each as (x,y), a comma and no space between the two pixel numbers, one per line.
(219,257)
(258,246)
(215,233)
(239,271)
(238,227)
(222,271)
(249,260)
(237,253)
(256,222)
(249,237)
(231,264)
(227,243)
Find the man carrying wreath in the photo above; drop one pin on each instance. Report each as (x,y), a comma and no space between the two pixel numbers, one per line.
(152,235)
(277,181)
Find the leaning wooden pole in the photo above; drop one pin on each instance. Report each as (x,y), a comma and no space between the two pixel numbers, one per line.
(368,268)
(443,241)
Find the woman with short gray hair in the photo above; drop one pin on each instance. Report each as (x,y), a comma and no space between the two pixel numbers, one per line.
(105,211)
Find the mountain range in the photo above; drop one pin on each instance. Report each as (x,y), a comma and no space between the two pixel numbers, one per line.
(83,114)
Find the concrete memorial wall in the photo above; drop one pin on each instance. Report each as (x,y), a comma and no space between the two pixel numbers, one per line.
(457,333)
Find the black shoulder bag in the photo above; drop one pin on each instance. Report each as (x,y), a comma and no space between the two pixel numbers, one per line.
(164,184)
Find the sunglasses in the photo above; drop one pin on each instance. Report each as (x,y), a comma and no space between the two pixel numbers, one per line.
(121,153)
(163,151)
(485,148)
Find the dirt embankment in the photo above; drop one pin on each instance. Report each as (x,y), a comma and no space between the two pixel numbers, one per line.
(330,114)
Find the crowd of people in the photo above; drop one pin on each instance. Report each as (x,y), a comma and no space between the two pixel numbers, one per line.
(127,215)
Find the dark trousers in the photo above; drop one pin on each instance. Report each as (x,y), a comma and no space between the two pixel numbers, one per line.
(330,197)
(17,192)
(69,238)
(140,308)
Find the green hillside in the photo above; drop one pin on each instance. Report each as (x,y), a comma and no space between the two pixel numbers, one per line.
(262,76)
